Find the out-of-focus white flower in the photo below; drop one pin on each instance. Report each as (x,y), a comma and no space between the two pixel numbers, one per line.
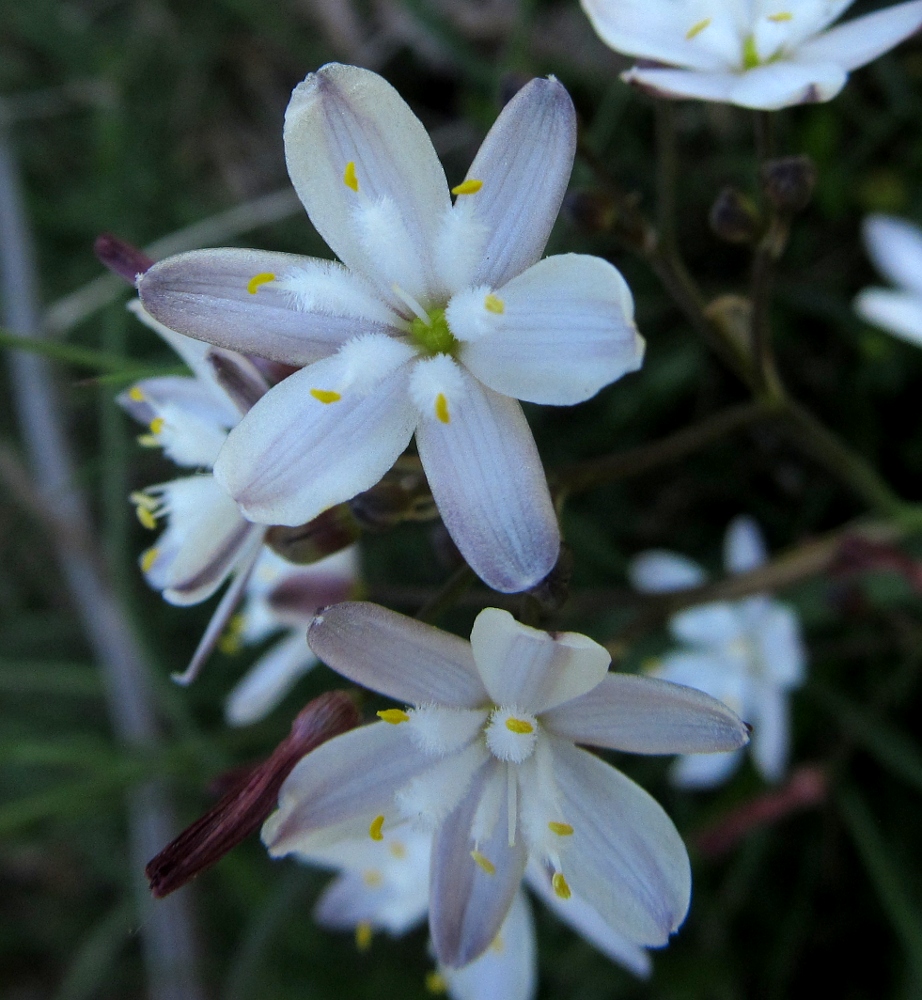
(383,884)
(895,246)
(486,758)
(280,596)
(443,317)
(764,54)
(749,654)
(206,537)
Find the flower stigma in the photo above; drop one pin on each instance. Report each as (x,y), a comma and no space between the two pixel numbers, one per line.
(433,337)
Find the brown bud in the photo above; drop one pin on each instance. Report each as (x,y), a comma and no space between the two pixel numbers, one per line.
(248,804)
(732,314)
(734,218)
(788,183)
(403,495)
(590,211)
(121,257)
(552,592)
(329,532)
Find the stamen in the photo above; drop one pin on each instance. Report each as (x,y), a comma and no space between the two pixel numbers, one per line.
(560,886)
(374,831)
(696,29)
(136,394)
(561,829)
(326,395)
(349,177)
(441,408)
(394,716)
(783,16)
(519,726)
(485,863)
(512,800)
(407,299)
(149,558)
(494,304)
(230,643)
(363,935)
(435,983)
(750,53)
(157,425)
(146,517)
(372,878)
(263,278)
(470,186)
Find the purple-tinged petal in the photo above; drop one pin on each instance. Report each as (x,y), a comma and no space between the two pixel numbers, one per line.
(625,857)
(532,669)
(238,377)
(400,657)
(487,479)
(650,716)
(469,898)
(291,309)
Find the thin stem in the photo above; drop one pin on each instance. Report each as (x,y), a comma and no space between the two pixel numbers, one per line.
(667,165)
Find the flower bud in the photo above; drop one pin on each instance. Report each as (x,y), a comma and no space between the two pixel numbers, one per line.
(734,218)
(591,211)
(330,532)
(403,495)
(121,257)
(788,183)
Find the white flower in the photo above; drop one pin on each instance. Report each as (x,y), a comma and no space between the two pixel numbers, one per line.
(280,596)
(442,317)
(747,653)
(486,758)
(895,246)
(206,538)
(764,54)
(384,885)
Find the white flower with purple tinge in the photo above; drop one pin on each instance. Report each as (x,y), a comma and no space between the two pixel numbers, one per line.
(383,885)
(895,246)
(764,54)
(747,653)
(441,316)
(485,757)
(283,597)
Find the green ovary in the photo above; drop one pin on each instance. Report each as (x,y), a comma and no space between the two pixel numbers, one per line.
(434,337)
(750,53)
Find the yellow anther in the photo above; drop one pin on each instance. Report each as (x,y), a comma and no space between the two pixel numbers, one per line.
(263,278)
(696,29)
(470,186)
(785,15)
(229,643)
(146,517)
(498,944)
(349,177)
(157,425)
(394,716)
(149,558)
(326,395)
(485,863)
(397,850)
(560,886)
(141,499)
(148,441)
(374,831)
(519,726)
(372,878)
(494,304)
(363,936)
(561,829)
(435,983)
(135,393)
(441,408)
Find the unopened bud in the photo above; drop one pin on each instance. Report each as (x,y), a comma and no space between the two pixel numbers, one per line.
(332,531)
(732,315)
(552,592)
(788,183)
(590,211)
(403,495)
(248,804)
(121,257)
(734,218)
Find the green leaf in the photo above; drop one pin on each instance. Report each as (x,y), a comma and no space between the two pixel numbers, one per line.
(69,353)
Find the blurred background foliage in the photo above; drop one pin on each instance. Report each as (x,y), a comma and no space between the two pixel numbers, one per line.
(145,117)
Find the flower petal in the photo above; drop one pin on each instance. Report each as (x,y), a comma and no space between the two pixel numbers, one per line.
(744,547)
(398,656)
(532,669)
(565,331)
(704,770)
(659,572)
(268,680)
(647,715)
(468,903)
(352,776)
(771,731)
(579,915)
(895,246)
(624,858)
(487,479)
(508,969)
(781,646)
(524,164)
(862,39)
(344,115)
(679,83)
(312,442)
(349,901)
(898,312)
(708,625)
(302,309)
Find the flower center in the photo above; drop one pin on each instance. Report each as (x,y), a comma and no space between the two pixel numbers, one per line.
(433,337)
(511,734)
